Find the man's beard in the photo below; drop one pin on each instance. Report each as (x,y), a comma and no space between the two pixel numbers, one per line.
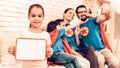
(83,18)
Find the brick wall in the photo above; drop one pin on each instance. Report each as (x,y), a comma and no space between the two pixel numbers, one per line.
(13,13)
(13,16)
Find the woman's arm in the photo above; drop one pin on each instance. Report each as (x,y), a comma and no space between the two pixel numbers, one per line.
(105,14)
(73,25)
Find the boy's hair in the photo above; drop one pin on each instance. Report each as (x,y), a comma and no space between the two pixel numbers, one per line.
(52,24)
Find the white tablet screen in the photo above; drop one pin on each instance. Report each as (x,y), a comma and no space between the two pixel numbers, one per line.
(30,49)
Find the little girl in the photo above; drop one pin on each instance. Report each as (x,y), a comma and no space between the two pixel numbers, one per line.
(36,17)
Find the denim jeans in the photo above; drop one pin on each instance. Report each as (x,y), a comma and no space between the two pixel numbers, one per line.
(68,60)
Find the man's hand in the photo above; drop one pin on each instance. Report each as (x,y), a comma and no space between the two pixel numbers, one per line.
(106,8)
(77,31)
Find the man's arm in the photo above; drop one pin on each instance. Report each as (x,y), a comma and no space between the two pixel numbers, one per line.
(106,13)
(77,31)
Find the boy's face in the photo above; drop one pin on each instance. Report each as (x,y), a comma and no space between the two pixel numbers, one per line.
(61,25)
(36,17)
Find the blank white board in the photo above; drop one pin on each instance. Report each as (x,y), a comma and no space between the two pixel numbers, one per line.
(30,49)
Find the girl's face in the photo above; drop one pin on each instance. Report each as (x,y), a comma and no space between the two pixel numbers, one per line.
(69,15)
(36,17)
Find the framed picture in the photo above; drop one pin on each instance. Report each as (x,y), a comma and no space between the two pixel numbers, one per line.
(30,49)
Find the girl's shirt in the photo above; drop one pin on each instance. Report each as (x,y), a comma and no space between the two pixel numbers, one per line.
(43,35)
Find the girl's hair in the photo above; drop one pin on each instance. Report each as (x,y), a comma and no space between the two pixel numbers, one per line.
(35,5)
(52,24)
(68,10)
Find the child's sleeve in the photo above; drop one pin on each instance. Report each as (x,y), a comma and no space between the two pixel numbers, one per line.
(48,39)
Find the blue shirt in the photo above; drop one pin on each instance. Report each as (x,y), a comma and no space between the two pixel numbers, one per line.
(58,46)
(93,37)
(71,41)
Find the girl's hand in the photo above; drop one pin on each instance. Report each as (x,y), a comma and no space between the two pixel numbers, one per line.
(12,50)
(49,52)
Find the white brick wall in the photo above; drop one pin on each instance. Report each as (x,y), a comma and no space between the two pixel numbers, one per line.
(13,16)
(13,13)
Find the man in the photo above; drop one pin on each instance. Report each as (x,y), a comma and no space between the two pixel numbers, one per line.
(90,35)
